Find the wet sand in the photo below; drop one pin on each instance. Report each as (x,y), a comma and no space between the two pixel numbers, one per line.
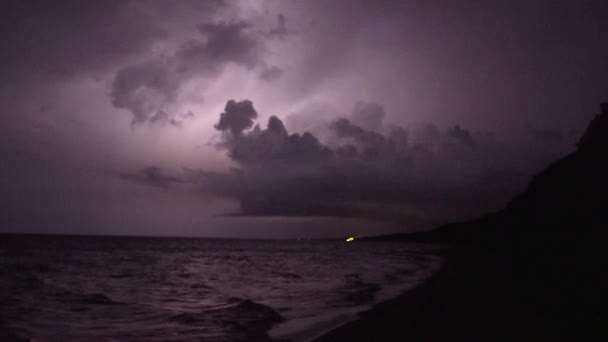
(403,318)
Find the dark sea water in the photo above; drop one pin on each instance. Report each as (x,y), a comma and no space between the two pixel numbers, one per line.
(58,288)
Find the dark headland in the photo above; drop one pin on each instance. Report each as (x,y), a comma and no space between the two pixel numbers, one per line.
(534,271)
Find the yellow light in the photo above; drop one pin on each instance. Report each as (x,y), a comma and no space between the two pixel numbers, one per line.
(350,239)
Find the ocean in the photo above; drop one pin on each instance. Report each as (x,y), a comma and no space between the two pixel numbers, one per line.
(73,288)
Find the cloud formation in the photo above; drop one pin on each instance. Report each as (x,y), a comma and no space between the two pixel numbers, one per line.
(149,88)
(270,74)
(237,117)
(420,175)
(356,172)
(76,71)
(265,146)
(152,176)
(368,115)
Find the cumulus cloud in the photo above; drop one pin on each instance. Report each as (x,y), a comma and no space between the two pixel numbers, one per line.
(370,144)
(368,115)
(144,89)
(358,172)
(460,135)
(237,117)
(226,42)
(275,145)
(421,175)
(264,146)
(161,57)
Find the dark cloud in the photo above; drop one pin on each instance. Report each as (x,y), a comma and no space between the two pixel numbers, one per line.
(370,144)
(148,88)
(279,31)
(226,42)
(270,74)
(178,119)
(314,118)
(163,118)
(144,88)
(362,173)
(237,117)
(268,146)
(481,65)
(152,176)
(368,115)
(421,175)
(460,135)
(400,136)
(425,134)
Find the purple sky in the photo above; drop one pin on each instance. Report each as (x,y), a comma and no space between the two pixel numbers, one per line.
(348,117)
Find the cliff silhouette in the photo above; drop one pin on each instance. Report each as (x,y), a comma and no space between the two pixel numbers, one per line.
(569,196)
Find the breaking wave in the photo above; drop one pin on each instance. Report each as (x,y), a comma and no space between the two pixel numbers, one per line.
(75,289)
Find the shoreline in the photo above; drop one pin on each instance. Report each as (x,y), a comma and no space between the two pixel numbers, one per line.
(391,317)
(395,317)
(531,287)
(345,316)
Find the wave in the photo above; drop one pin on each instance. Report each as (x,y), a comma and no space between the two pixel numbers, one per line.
(359,292)
(123,275)
(250,310)
(187,295)
(288,275)
(97,299)
(242,315)
(188,318)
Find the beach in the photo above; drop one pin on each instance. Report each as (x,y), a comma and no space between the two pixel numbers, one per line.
(402,318)
(486,293)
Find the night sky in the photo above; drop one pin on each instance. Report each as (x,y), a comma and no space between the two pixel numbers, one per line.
(286,118)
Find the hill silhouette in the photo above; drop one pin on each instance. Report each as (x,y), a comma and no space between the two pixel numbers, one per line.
(568,196)
(534,271)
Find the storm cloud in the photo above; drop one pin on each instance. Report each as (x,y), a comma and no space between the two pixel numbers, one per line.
(405,111)
(152,176)
(357,172)
(149,88)
(237,117)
